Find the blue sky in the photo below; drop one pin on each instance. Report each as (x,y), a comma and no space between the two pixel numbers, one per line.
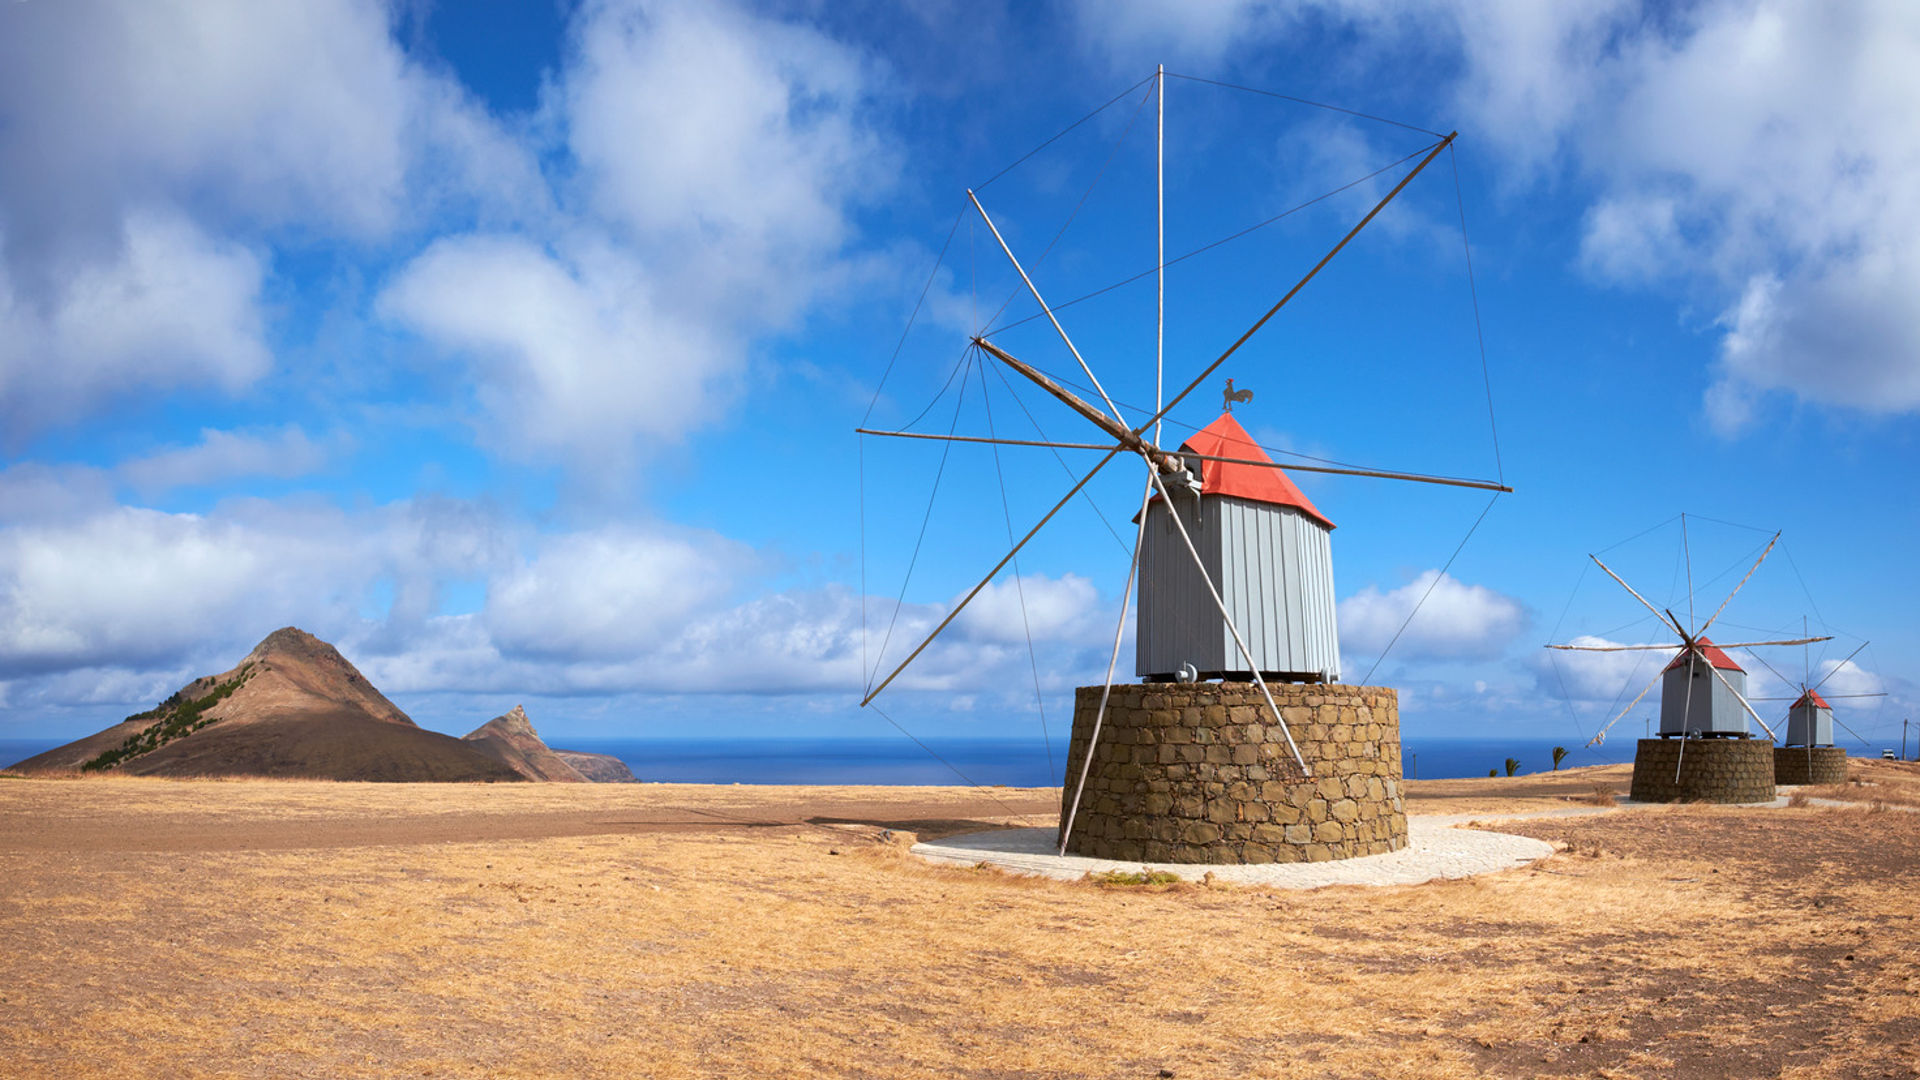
(517,347)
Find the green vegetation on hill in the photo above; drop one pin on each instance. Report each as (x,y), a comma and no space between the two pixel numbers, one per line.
(177,718)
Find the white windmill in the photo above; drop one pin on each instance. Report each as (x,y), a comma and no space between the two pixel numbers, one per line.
(1704,691)
(1177,478)
(1807,754)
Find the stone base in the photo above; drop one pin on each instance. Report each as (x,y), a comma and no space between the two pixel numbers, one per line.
(1200,773)
(1809,765)
(1710,770)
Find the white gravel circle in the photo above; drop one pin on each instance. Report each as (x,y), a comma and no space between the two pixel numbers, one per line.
(1436,849)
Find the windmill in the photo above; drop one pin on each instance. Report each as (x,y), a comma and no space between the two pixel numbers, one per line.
(1807,754)
(1172,478)
(1703,691)
(1804,727)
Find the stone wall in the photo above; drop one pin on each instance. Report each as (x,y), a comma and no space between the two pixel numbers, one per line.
(1200,773)
(1809,765)
(1710,770)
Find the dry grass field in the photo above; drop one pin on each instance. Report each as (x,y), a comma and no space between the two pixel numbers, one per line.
(287,929)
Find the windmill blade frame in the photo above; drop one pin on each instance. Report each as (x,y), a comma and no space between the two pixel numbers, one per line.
(1665,619)
(1743,582)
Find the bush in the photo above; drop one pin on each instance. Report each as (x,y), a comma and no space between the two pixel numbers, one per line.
(177,718)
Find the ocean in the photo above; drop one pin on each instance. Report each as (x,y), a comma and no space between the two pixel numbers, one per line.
(1015,762)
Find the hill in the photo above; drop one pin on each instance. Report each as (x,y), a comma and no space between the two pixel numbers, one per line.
(293,707)
(511,740)
(599,768)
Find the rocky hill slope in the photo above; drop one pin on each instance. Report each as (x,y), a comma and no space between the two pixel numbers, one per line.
(293,707)
(511,740)
(599,768)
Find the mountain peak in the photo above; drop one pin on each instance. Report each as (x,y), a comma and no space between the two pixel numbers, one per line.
(291,641)
(510,738)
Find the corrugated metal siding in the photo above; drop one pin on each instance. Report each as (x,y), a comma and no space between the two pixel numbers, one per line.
(1714,707)
(1177,622)
(1809,726)
(1274,568)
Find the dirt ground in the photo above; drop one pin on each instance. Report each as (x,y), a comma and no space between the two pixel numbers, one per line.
(282,928)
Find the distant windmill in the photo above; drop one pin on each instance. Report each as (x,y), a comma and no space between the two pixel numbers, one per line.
(1810,717)
(1697,658)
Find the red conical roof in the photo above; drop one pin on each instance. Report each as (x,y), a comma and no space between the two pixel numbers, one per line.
(1713,654)
(1818,701)
(1226,438)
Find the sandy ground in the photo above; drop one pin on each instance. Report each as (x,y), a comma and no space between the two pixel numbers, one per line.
(275,928)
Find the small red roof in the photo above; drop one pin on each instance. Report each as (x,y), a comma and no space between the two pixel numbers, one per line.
(1714,656)
(1226,438)
(1818,701)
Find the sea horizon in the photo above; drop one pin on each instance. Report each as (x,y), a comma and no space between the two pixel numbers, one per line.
(1011,761)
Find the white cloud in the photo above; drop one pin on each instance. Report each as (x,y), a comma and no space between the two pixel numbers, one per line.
(1846,677)
(284,452)
(1138,32)
(172,306)
(1600,676)
(141,590)
(112,603)
(699,120)
(137,588)
(720,154)
(1757,153)
(33,492)
(153,150)
(1047,608)
(609,594)
(301,115)
(1628,239)
(1457,622)
(576,356)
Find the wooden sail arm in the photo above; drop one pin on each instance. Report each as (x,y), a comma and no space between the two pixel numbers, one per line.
(1061,330)
(1743,581)
(1128,439)
(1617,648)
(1838,666)
(997,567)
(1741,699)
(1729,645)
(1770,667)
(1663,617)
(938,437)
(1601,735)
(1803,693)
(1301,284)
(1383,474)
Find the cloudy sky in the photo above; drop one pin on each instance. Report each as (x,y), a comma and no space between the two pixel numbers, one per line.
(517,347)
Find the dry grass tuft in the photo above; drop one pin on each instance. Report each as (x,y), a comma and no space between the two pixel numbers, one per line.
(1896,783)
(1130,878)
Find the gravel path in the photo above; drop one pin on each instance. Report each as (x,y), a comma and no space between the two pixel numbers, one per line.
(1435,850)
